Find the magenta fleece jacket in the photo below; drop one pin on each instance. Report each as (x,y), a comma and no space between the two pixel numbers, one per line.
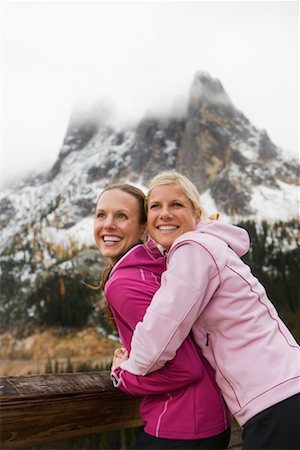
(209,290)
(181,400)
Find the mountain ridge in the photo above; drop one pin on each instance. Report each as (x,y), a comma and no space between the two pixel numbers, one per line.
(46,221)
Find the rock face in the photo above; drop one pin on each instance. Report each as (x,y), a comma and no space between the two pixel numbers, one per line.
(223,152)
(209,130)
(46,221)
(156,146)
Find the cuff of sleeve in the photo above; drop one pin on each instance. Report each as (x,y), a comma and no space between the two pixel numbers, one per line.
(126,365)
(116,381)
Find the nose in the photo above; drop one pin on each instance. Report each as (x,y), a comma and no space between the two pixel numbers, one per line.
(109,222)
(165,213)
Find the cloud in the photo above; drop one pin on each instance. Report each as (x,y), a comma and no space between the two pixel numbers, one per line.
(141,57)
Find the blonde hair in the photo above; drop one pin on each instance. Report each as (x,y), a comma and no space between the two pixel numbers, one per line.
(187,187)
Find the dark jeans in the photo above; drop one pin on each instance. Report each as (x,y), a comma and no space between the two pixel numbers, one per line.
(277,427)
(218,442)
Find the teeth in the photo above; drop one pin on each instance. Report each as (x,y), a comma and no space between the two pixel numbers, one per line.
(167,227)
(111,239)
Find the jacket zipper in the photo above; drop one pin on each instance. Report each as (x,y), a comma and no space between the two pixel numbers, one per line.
(207,338)
(161,415)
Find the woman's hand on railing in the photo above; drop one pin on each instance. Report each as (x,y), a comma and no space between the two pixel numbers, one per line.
(120,355)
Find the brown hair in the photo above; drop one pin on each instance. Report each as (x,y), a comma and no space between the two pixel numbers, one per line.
(139,195)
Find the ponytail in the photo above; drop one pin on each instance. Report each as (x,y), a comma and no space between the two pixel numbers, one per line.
(107,311)
(103,280)
(214,216)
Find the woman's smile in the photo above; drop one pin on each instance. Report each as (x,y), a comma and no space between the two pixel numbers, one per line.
(167,227)
(111,239)
(117,226)
(170,214)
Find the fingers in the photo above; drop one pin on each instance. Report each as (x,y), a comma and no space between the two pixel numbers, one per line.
(120,355)
(120,352)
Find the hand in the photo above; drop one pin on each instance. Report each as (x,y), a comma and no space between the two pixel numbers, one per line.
(120,355)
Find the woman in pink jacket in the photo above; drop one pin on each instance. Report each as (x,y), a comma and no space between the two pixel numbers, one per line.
(182,406)
(209,290)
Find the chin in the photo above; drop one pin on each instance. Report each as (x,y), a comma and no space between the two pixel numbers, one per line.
(108,254)
(165,245)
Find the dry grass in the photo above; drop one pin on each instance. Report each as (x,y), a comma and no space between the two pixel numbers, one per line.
(31,354)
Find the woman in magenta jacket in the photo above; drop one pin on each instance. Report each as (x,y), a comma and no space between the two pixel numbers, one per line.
(209,290)
(183,407)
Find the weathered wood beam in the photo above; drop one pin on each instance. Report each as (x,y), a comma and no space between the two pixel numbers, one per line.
(38,409)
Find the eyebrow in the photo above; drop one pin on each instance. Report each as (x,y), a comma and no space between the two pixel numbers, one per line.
(117,211)
(173,200)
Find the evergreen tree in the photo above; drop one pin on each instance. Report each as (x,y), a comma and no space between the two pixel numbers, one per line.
(274,258)
(62,300)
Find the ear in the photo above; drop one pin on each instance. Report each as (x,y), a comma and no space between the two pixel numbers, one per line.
(198,215)
(144,232)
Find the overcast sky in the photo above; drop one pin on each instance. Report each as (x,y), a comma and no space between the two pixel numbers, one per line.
(140,55)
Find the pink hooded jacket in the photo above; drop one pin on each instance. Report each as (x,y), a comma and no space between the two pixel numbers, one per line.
(207,288)
(182,400)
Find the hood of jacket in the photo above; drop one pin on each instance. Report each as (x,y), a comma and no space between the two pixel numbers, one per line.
(217,238)
(235,237)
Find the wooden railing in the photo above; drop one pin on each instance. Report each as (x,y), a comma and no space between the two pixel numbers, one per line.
(38,409)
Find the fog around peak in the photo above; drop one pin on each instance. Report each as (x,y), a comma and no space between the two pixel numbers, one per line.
(139,59)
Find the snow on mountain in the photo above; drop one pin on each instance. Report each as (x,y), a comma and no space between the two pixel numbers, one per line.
(249,173)
(47,220)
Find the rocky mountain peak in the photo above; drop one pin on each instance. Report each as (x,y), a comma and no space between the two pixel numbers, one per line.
(214,144)
(85,121)
(47,223)
(207,90)
(223,152)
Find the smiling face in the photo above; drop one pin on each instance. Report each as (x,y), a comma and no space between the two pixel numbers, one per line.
(117,223)
(170,214)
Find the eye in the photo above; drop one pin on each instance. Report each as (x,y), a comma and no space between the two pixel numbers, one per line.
(100,215)
(122,216)
(177,205)
(154,206)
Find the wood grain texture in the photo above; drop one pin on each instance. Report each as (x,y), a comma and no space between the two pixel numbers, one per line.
(38,409)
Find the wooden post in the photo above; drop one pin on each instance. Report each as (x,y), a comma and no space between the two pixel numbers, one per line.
(38,409)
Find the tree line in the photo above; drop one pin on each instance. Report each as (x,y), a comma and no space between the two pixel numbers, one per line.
(61,299)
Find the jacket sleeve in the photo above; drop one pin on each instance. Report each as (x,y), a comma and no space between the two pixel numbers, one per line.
(185,368)
(188,284)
